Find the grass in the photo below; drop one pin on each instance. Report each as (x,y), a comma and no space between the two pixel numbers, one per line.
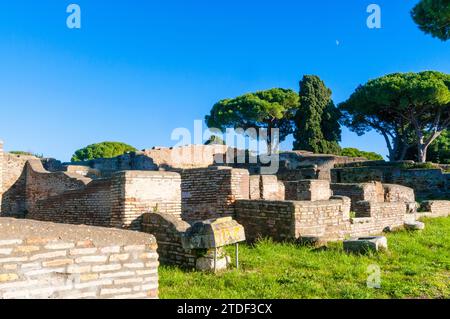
(417,265)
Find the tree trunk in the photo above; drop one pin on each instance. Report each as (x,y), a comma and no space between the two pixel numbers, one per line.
(422,153)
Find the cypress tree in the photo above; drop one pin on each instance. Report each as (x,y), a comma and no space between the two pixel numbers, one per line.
(317,119)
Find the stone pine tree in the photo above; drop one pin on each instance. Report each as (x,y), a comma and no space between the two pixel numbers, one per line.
(268,110)
(317,119)
(408,109)
(433,17)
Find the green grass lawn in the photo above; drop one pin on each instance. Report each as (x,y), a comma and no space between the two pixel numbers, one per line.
(417,265)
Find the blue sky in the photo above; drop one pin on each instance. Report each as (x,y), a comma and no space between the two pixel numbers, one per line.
(138,69)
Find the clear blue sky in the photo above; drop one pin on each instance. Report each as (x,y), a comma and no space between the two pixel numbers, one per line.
(138,69)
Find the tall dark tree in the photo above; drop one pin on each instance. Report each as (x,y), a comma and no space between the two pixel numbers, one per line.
(433,17)
(317,119)
(406,108)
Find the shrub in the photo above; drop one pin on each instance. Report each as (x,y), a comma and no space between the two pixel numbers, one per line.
(354,152)
(102,150)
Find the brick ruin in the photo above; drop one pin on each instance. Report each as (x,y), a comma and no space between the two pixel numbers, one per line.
(53,261)
(426,182)
(151,193)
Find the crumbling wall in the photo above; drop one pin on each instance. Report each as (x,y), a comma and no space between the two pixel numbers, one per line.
(328,220)
(308,190)
(398,193)
(266,187)
(41,184)
(290,220)
(436,207)
(134,193)
(209,193)
(425,182)
(88,206)
(187,157)
(373,217)
(1,174)
(262,218)
(52,261)
(13,199)
(129,161)
(360,192)
(168,230)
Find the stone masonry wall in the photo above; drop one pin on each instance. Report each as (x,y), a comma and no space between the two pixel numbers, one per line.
(261,219)
(425,182)
(13,201)
(134,193)
(290,220)
(41,184)
(89,206)
(311,190)
(1,174)
(359,192)
(374,217)
(212,192)
(266,187)
(328,220)
(51,261)
(168,230)
(438,207)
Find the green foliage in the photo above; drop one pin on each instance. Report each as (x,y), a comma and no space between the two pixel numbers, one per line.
(406,108)
(102,150)
(27,154)
(274,108)
(21,153)
(433,17)
(416,266)
(438,152)
(215,140)
(317,126)
(354,152)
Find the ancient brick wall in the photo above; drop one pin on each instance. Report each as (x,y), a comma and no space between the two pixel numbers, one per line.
(13,202)
(261,219)
(1,174)
(328,220)
(398,193)
(134,193)
(168,230)
(298,174)
(373,217)
(266,187)
(212,192)
(311,190)
(41,184)
(289,220)
(436,207)
(187,157)
(425,182)
(49,261)
(89,206)
(359,192)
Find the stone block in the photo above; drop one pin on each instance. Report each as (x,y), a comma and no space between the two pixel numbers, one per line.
(414,225)
(313,190)
(365,244)
(207,263)
(313,241)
